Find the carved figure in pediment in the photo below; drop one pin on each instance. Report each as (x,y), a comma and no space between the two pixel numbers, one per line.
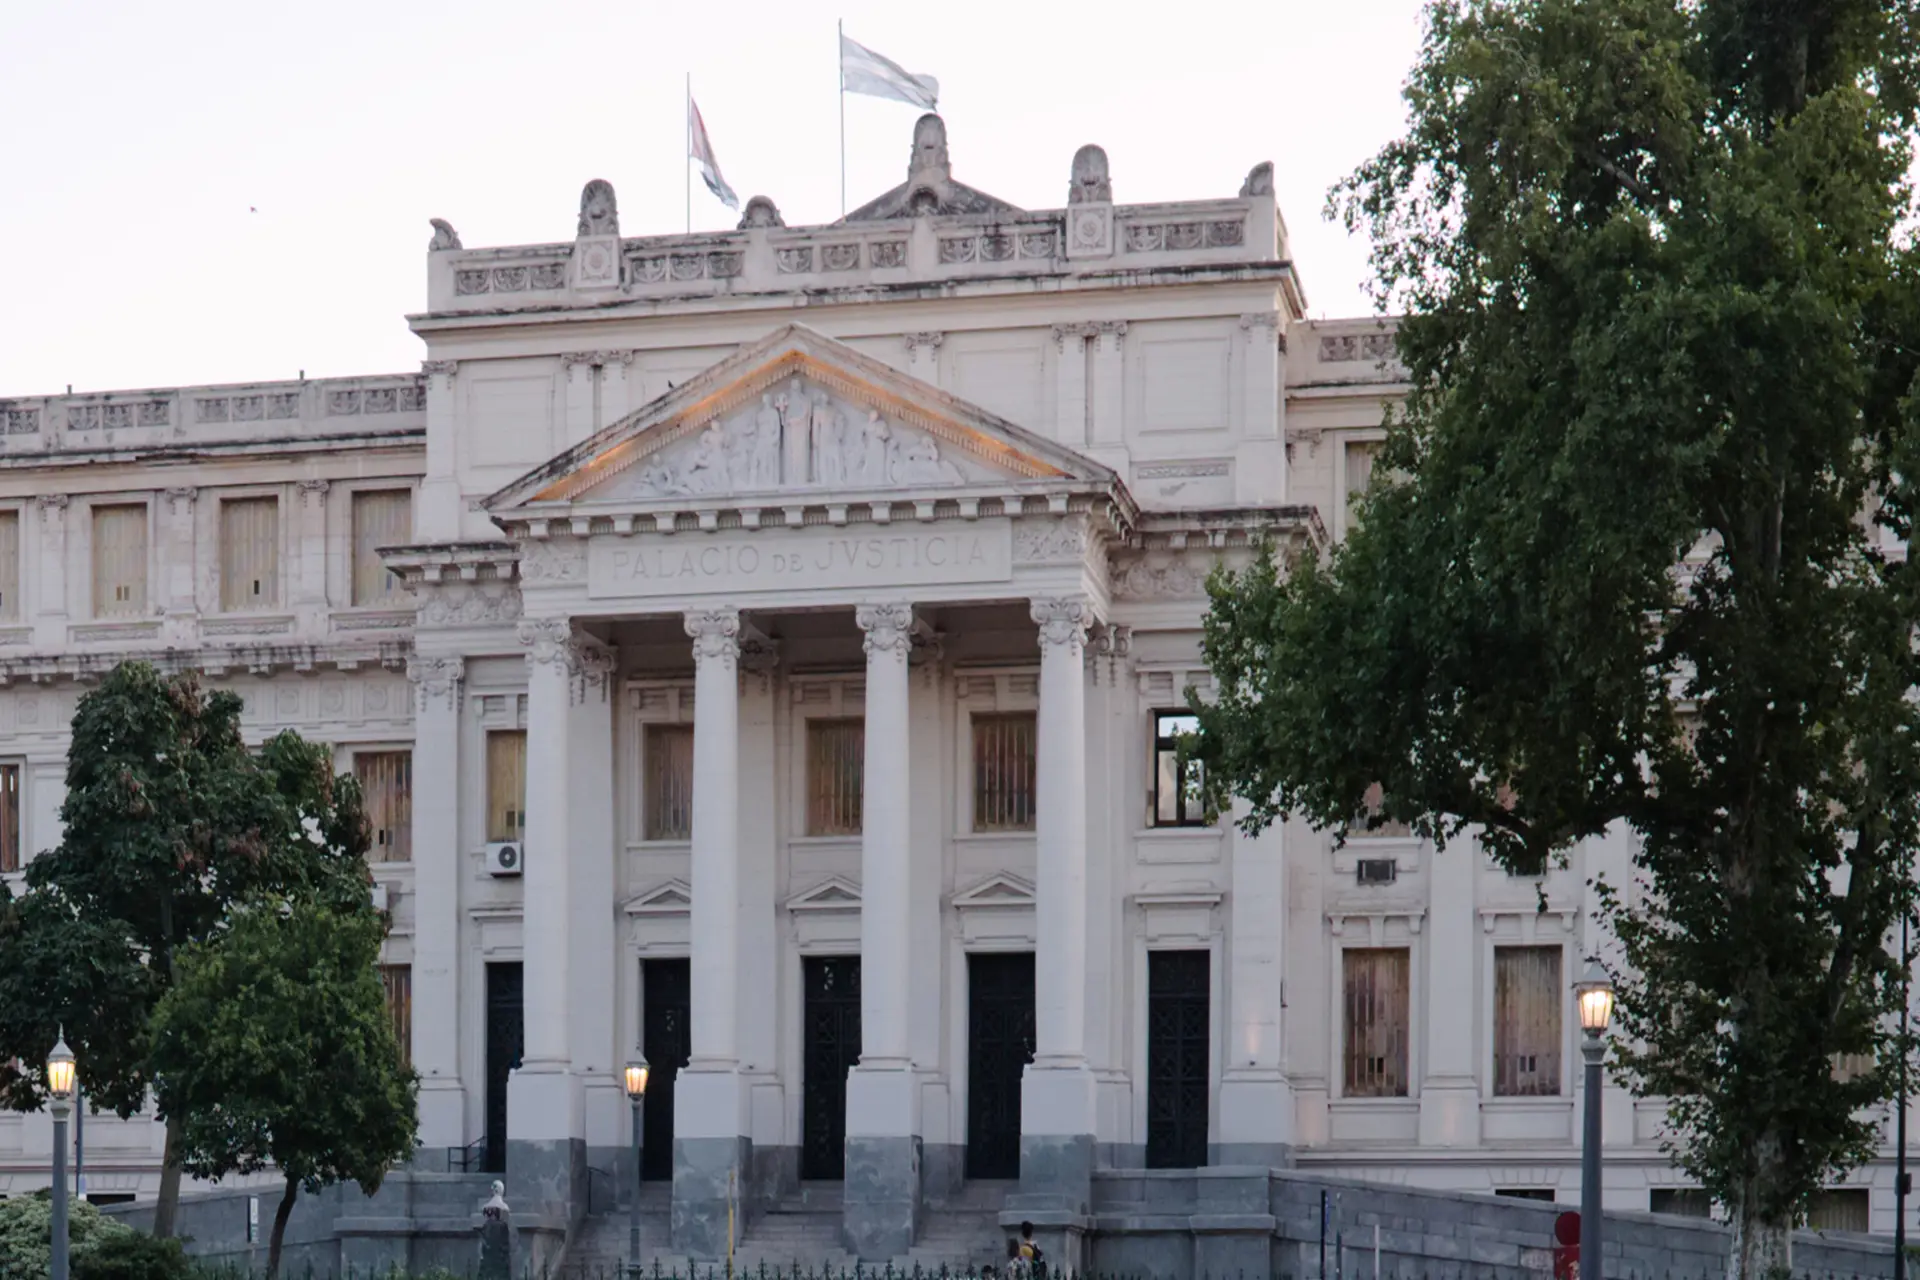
(875,436)
(920,463)
(707,469)
(828,427)
(766,445)
(1090,183)
(599,213)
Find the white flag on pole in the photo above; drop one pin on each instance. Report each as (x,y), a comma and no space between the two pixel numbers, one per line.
(864,71)
(701,149)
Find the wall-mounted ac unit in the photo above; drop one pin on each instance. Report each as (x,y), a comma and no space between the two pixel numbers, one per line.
(379,897)
(1376,871)
(504,858)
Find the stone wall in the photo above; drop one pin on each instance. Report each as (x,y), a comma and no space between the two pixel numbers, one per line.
(1182,1224)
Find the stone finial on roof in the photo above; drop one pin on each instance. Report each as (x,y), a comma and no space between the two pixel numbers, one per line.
(1090,183)
(929,188)
(761,212)
(1259,180)
(599,212)
(929,158)
(444,236)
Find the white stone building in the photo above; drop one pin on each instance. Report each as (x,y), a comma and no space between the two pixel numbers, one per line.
(760,649)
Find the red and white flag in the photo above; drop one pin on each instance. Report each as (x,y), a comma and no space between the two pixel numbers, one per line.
(701,149)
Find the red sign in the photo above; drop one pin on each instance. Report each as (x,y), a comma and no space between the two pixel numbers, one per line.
(1566,1246)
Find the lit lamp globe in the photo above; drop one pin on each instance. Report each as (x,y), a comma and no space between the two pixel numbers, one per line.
(60,1071)
(636,1078)
(1594,994)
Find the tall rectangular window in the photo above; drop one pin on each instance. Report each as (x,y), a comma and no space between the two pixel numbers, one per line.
(836,766)
(1527,1001)
(9,817)
(1177,799)
(1360,458)
(1839,1209)
(398,981)
(667,757)
(1375,987)
(9,566)
(120,561)
(386,783)
(1004,750)
(381,518)
(507,785)
(249,553)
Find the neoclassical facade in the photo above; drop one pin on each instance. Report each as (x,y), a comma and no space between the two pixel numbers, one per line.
(763,650)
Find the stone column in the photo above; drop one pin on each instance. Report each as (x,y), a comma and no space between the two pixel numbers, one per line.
(436,904)
(1256,1102)
(1449,1086)
(50,587)
(1057,1092)
(711,1150)
(438,517)
(883,1175)
(546,1158)
(592,881)
(1107,441)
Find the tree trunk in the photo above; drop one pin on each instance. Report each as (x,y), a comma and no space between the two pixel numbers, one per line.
(1761,1250)
(168,1205)
(280,1217)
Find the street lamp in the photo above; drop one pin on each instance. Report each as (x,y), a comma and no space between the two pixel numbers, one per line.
(636,1081)
(1594,996)
(60,1088)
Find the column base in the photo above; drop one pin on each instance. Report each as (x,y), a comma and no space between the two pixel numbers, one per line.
(882,1195)
(1450,1112)
(712,1160)
(546,1152)
(1256,1107)
(1056,1167)
(443,1123)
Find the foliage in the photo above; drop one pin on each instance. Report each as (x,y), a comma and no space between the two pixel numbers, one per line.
(26,1235)
(133,1255)
(274,1047)
(1659,312)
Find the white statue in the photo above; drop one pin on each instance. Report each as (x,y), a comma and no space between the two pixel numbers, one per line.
(829,430)
(707,470)
(766,445)
(920,463)
(874,435)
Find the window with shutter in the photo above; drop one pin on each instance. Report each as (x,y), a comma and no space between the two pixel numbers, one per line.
(1839,1209)
(9,817)
(1004,749)
(381,518)
(836,764)
(667,755)
(9,566)
(398,981)
(1375,987)
(249,553)
(119,561)
(386,784)
(1361,455)
(1527,1000)
(506,785)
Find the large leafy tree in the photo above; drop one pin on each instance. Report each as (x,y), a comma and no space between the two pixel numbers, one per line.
(170,820)
(1662,322)
(273,1048)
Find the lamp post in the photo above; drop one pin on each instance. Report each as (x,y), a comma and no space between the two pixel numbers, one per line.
(636,1080)
(1901,1178)
(1594,995)
(60,1089)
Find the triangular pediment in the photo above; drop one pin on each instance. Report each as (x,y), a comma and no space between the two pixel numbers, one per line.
(673,898)
(1000,890)
(799,414)
(831,894)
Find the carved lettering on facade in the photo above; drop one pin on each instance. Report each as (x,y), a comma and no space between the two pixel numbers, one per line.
(797,559)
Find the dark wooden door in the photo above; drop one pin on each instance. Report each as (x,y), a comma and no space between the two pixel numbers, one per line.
(831,1039)
(506,1039)
(1178,1030)
(666,1040)
(999,1047)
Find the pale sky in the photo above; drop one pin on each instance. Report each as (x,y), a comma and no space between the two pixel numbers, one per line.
(135,138)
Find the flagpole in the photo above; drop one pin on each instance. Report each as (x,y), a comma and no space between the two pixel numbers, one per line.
(683,162)
(839,64)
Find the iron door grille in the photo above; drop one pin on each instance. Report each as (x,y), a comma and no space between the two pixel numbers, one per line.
(832,1040)
(1000,1021)
(666,1039)
(1179,1027)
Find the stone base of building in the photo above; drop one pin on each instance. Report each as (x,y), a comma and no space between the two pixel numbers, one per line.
(1258,1155)
(882,1197)
(943,1172)
(709,1202)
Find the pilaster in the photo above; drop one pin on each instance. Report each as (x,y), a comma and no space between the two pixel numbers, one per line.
(923,358)
(310,589)
(437,685)
(1107,392)
(616,387)
(1073,383)
(1256,1101)
(437,518)
(50,591)
(181,556)
(581,394)
(1260,470)
(1450,1087)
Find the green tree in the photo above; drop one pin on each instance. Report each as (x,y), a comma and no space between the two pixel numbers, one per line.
(1627,567)
(273,1048)
(169,821)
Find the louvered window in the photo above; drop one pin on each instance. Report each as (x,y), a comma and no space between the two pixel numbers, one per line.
(836,764)
(1004,771)
(249,553)
(119,561)
(1375,995)
(1527,1000)
(381,518)
(398,981)
(9,566)
(1361,455)
(507,785)
(9,817)
(668,759)
(1839,1209)
(386,783)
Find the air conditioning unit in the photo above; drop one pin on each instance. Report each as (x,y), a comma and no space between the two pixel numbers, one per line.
(505,858)
(1376,871)
(379,897)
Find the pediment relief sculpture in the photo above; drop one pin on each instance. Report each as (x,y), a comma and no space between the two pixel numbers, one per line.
(798,435)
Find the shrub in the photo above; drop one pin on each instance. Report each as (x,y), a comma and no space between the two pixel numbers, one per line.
(132,1256)
(26,1235)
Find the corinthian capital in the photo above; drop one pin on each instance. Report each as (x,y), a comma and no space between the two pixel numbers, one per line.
(716,635)
(889,627)
(1063,621)
(547,640)
(437,680)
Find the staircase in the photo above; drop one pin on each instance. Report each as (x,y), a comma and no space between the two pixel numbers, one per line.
(599,1245)
(803,1229)
(964,1234)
